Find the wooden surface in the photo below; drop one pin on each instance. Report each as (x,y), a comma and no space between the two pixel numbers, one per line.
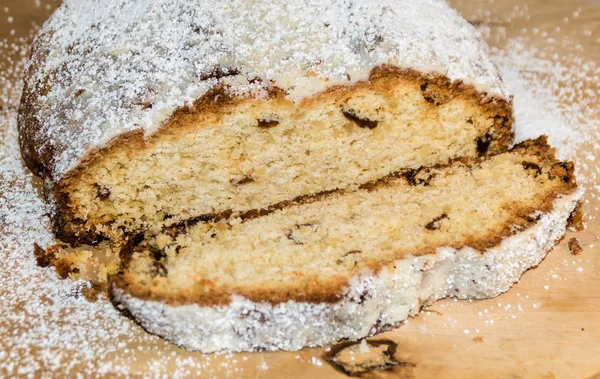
(547,326)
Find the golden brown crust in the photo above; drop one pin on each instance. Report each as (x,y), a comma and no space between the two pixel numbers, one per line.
(206,293)
(330,290)
(436,89)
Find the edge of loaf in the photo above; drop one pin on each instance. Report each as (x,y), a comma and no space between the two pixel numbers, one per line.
(372,302)
(106,81)
(93,75)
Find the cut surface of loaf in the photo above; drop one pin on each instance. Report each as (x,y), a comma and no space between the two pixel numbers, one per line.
(243,155)
(136,129)
(349,263)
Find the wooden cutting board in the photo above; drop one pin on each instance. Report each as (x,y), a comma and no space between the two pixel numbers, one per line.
(547,326)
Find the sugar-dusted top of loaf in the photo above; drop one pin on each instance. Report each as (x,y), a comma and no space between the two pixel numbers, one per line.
(98,71)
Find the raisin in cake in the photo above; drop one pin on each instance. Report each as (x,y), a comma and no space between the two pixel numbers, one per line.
(141,114)
(345,265)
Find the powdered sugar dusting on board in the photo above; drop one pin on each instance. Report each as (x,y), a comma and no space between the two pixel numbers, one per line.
(542,87)
(46,323)
(129,64)
(46,326)
(558,100)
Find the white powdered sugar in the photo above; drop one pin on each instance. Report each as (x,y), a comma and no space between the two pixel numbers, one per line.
(103,71)
(48,328)
(550,98)
(39,312)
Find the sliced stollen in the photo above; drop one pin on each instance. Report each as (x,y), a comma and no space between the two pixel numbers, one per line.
(347,264)
(141,114)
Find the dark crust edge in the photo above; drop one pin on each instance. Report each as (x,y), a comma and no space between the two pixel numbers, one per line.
(331,290)
(39,163)
(75,231)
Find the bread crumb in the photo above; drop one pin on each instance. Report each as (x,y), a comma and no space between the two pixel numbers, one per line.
(575,246)
(575,222)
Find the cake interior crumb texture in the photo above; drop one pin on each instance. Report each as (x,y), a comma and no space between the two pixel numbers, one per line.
(242,155)
(309,250)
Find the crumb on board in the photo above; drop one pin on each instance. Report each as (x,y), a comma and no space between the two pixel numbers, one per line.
(575,246)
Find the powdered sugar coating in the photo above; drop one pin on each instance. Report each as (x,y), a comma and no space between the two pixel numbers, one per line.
(371,302)
(100,71)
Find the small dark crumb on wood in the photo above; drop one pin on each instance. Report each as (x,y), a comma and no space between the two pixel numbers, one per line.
(575,246)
